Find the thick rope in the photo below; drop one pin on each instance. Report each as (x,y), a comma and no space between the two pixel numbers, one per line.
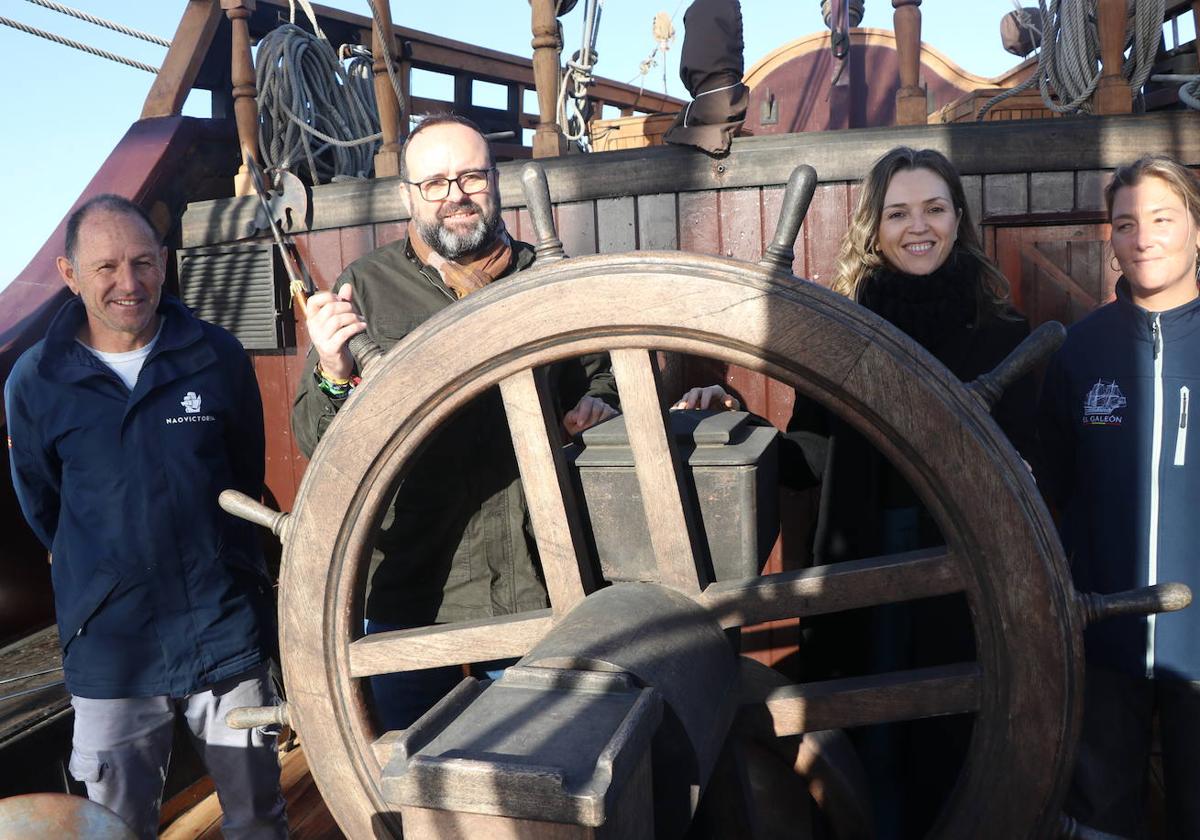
(305,97)
(573,92)
(1189,94)
(67,42)
(1068,63)
(1189,90)
(386,40)
(107,24)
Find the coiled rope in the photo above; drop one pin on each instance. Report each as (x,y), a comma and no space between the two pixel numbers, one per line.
(107,24)
(573,92)
(1189,90)
(1068,64)
(309,109)
(67,42)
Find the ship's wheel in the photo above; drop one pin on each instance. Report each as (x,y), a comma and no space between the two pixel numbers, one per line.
(1024,686)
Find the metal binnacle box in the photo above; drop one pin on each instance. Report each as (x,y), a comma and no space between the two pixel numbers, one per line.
(730,467)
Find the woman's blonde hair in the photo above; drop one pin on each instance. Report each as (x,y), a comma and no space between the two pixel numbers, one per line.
(859,253)
(1182,181)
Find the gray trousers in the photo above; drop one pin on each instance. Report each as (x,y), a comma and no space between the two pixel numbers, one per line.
(121,747)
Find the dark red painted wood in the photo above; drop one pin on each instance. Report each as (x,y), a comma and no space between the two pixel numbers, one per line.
(807,103)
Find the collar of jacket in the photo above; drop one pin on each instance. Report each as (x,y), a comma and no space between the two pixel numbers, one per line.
(523,256)
(1177,322)
(180,345)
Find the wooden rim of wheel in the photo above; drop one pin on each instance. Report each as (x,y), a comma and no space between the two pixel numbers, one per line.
(1002,551)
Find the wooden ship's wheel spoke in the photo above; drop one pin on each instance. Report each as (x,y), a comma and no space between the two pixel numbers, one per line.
(448,644)
(664,497)
(547,482)
(862,701)
(848,585)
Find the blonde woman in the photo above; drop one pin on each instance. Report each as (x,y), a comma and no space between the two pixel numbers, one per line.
(1115,420)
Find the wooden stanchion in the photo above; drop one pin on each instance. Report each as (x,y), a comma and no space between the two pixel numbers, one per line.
(1112,94)
(548,140)
(245,92)
(911,104)
(393,117)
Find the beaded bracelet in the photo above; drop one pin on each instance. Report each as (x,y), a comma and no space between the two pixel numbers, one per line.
(337,389)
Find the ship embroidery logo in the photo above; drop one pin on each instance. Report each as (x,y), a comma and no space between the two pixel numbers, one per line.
(1101,404)
(191,407)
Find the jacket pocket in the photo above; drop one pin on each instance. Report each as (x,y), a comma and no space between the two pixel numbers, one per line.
(85,767)
(1181,432)
(83,604)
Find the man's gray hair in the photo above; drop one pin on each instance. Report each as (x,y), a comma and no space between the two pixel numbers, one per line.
(105,201)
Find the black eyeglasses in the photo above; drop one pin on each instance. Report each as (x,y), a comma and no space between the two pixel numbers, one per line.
(436,189)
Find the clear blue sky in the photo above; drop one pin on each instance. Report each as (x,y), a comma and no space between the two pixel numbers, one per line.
(65,110)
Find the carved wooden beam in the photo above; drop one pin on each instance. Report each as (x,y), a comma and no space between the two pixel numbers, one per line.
(1112,94)
(393,116)
(911,105)
(548,140)
(184,58)
(245,105)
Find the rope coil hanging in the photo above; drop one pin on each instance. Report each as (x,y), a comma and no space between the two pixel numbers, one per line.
(573,92)
(1068,64)
(311,110)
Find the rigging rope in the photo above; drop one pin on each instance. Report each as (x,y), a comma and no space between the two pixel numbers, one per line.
(573,92)
(67,42)
(386,41)
(664,34)
(305,95)
(1068,57)
(107,24)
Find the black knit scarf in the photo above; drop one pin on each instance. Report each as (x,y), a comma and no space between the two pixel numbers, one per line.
(930,308)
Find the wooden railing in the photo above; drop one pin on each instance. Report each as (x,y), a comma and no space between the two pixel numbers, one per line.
(192,62)
(187,65)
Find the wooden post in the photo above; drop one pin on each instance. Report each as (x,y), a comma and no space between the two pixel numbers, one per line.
(245,105)
(548,141)
(911,105)
(1112,94)
(393,117)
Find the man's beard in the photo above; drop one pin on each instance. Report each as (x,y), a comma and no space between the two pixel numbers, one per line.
(451,245)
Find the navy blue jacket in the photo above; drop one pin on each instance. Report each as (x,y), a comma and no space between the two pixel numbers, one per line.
(157,591)
(1118,463)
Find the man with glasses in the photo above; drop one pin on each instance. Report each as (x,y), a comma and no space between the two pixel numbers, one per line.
(456,544)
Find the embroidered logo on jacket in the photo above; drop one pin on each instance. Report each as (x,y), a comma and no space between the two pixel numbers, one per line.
(191,402)
(191,405)
(1101,404)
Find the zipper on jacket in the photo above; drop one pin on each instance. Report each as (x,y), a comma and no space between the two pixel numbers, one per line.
(436,284)
(1181,435)
(1155,480)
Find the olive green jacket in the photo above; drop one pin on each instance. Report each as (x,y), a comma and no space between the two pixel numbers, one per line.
(457,544)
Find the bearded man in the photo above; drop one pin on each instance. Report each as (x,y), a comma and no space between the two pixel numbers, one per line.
(456,544)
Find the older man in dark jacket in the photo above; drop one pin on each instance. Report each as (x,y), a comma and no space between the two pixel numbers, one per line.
(125,423)
(456,544)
